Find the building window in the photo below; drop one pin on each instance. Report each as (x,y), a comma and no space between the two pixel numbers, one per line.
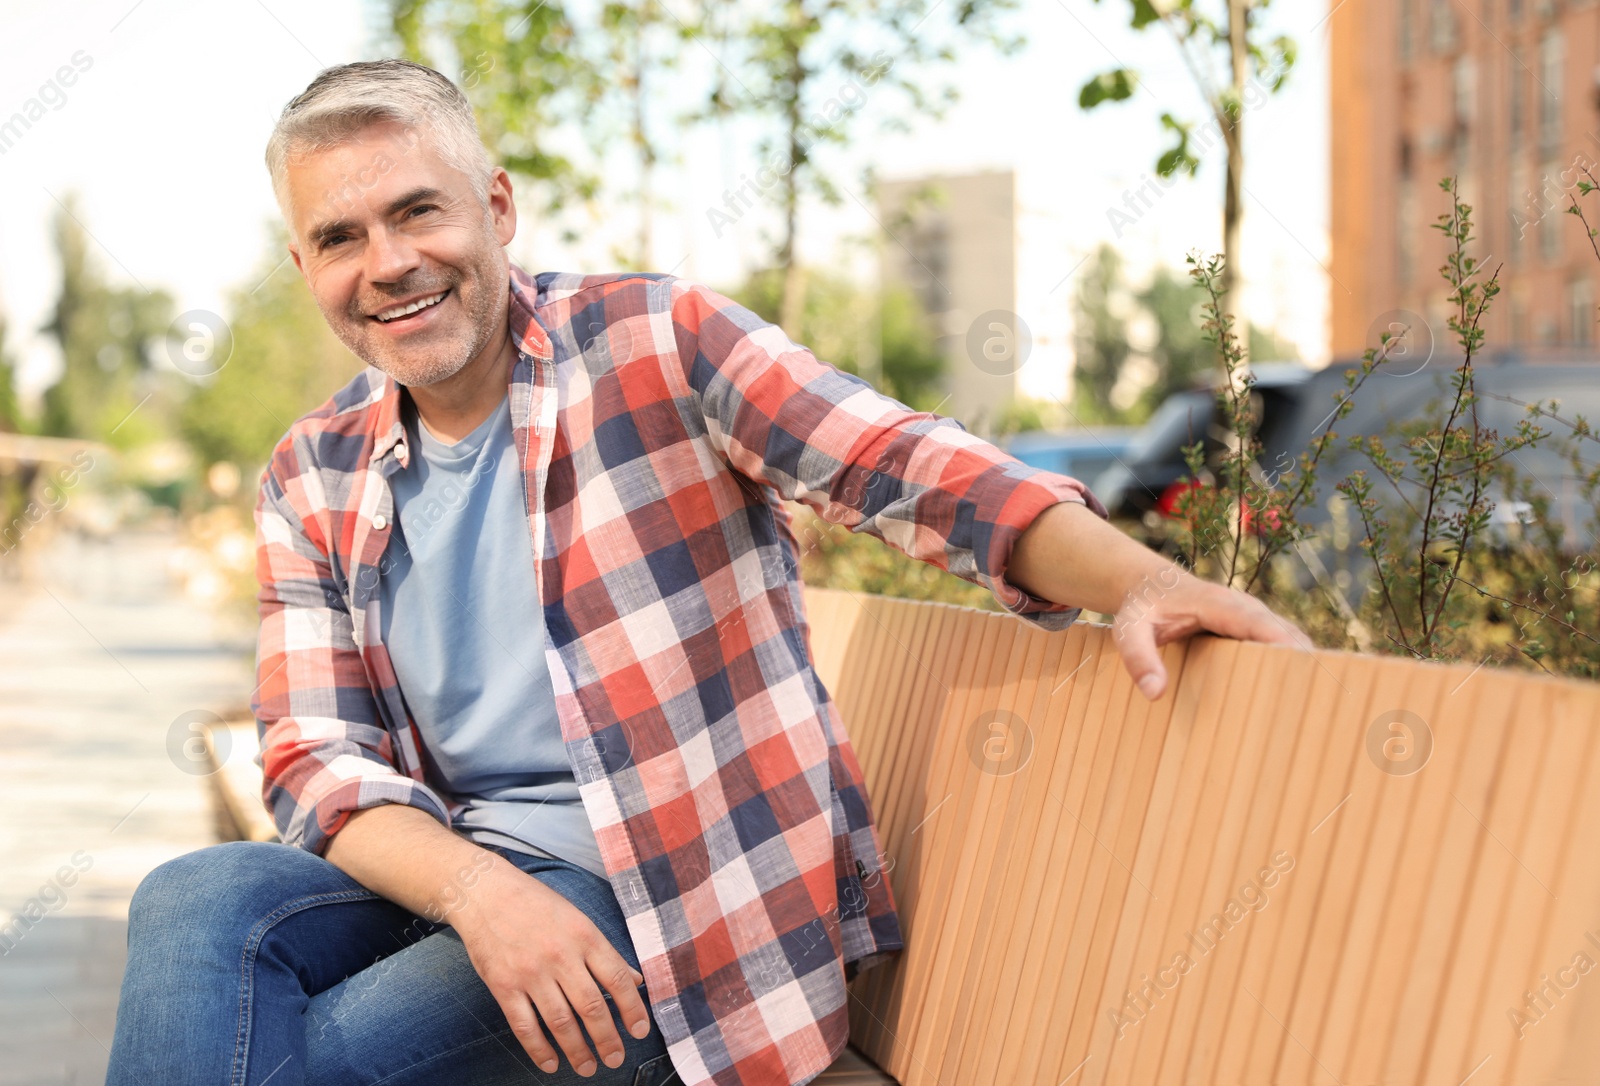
(1442,26)
(1550,57)
(1580,300)
(1551,216)
(1523,214)
(1464,79)
(929,246)
(1517,106)
(1405,217)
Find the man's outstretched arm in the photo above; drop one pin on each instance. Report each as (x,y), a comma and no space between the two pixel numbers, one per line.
(924,485)
(1070,555)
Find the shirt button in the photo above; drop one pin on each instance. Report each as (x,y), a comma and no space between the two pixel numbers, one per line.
(380,522)
(400,451)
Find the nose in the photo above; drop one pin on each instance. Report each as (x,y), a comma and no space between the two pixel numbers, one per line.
(390,257)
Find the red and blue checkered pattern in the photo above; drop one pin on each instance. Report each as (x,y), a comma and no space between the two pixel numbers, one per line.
(660,427)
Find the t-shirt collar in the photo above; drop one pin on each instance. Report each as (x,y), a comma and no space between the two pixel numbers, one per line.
(530,337)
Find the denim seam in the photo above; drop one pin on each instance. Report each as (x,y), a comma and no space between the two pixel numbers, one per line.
(494,1035)
(241,1055)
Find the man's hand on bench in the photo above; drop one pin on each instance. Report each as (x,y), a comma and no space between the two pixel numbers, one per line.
(1070,555)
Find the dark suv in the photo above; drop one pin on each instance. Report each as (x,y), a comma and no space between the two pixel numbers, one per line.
(1296,405)
(1147,478)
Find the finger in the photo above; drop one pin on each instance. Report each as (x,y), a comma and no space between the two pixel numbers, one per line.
(622,981)
(518,1009)
(1231,613)
(1136,643)
(1285,632)
(594,1009)
(1298,636)
(561,1019)
(1255,621)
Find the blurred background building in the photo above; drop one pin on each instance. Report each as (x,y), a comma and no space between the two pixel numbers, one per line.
(1504,95)
(952,242)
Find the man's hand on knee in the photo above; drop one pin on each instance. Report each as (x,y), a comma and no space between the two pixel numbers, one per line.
(533,948)
(537,951)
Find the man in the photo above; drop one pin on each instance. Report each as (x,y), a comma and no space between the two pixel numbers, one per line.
(541,732)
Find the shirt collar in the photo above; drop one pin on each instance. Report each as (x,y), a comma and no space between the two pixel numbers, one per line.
(529,336)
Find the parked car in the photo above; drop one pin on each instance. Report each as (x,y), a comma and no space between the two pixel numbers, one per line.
(1148,479)
(1386,400)
(1297,404)
(1082,454)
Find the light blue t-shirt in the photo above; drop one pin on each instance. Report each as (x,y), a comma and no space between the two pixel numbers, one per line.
(465,633)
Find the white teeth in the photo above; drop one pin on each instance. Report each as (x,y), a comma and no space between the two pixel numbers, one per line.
(421,303)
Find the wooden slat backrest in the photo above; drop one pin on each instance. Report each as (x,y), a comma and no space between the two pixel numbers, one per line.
(1083,877)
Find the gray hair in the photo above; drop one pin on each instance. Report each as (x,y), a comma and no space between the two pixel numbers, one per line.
(343,100)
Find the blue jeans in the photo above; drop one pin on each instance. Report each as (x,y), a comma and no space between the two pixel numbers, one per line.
(257,964)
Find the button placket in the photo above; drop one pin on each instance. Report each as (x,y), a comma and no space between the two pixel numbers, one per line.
(365,574)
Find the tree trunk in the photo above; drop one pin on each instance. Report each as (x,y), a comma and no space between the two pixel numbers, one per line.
(1233,195)
(1232,237)
(647,158)
(792,304)
(794,288)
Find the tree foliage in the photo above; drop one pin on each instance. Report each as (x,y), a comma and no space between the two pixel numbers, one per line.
(1205,39)
(885,338)
(802,69)
(1100,338)
(635,48)
(805,68)
(523,65)
(108,336)
(1181,353)
(10,409)
(1235,66)
(910,362)
(285,362)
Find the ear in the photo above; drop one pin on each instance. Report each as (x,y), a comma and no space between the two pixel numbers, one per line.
(502,207)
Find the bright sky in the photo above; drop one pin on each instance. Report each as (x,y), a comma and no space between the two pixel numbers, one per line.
(162,137)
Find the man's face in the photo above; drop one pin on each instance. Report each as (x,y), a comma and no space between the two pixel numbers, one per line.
(380,224)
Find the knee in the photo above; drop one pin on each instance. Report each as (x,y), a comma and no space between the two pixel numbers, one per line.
(211,889)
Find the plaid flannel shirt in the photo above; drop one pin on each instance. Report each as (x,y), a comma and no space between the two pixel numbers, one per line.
(660,425)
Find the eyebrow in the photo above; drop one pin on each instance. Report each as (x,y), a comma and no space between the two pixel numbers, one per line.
(321,233)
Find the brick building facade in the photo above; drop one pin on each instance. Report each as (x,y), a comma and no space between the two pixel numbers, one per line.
(1504,95)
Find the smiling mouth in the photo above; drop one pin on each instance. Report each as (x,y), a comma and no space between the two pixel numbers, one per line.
(400,312)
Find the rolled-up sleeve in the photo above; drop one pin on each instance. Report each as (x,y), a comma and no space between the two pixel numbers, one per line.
(325,752)
(918,481)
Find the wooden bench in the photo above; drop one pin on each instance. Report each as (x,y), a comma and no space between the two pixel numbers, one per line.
(1294,868)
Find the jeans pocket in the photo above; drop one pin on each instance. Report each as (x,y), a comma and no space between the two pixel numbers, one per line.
(657,1072)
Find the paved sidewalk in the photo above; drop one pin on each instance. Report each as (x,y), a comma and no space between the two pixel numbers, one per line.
(98,658)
